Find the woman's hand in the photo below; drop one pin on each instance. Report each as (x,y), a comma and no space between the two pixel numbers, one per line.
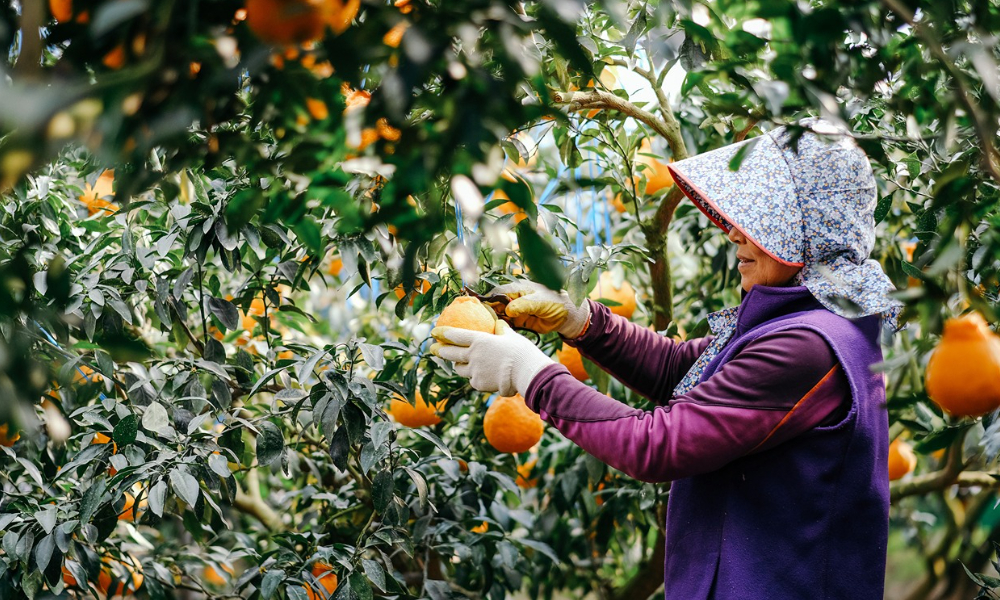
(534,306)
(504,362)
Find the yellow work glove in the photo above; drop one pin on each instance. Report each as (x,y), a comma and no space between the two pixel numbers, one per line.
(534,306)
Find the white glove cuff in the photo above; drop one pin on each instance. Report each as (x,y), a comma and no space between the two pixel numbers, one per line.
(576,321)
(526,367)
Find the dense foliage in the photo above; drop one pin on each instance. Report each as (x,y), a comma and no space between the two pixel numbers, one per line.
(220,259)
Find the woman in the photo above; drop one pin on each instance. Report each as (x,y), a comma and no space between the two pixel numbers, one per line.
(774,430)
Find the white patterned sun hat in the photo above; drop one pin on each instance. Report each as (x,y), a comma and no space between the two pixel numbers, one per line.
(808,202)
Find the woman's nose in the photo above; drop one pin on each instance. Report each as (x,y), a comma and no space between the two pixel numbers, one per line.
(736,237)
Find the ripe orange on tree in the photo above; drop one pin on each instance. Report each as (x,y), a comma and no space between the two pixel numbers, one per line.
(120,572)
(421,286)
(510,426)
(419,414)
(481,528)
(571,358)
(291,22)
(327,581)
(6,437)
(902,460)
(466,312)
(619,204)
(212,576)
(130,512)
(963,373)
(623,295)
(657,175)
(524,479)
(94,196)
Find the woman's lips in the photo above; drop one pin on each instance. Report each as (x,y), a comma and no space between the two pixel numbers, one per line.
(744,262)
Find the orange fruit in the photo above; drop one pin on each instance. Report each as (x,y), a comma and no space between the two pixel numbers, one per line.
(909,248)
(100,438)
(510,426)
(62,10)
(387,132)
(213,577)
(963,373)
(404,6)
(93,196)
(121,572)
(657,175)
(619,204)
(508,207)
(5,438)
(340,13)
(84,374)
(327,580)
(902,460)
(571,358)
(68,578)
(127,513)
(115,59)
(256,308)
(419,414)
(421,286)
(286,22)
(336,265)
(624,296)
(524,474)
(317,109)
(466,312)
(395,35)
(481,528)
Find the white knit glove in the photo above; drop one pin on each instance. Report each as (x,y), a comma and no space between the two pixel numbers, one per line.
(534,306)
(505,362)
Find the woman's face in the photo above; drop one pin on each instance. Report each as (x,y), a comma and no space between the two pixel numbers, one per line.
(756,267)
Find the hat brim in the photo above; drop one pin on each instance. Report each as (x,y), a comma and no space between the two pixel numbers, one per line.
(727,197)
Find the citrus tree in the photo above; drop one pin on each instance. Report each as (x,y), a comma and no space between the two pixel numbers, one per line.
(229,226)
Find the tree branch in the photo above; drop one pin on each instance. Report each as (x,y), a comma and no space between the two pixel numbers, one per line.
(674,139)
(252,504)
(604,100)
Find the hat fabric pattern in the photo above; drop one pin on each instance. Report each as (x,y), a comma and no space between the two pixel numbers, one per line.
(808,202)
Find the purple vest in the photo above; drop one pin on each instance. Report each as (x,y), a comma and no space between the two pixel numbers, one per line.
(807,518)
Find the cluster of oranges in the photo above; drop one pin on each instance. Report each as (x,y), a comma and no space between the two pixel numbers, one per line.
(509,425)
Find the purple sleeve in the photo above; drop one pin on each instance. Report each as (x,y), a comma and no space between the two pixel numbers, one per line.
(644,360)
(779,386)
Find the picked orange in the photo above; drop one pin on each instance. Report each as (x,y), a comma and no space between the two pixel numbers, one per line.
(466,312)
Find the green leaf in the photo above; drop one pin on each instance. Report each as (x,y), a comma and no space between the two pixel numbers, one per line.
(225,311)
(270,443)
(375,573)
(91,500)
(185,486)
(541,259)
(882,208)
(270,583)
(125,431)
(382,490)
(157,497)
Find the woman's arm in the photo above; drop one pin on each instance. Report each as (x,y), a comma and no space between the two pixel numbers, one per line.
(778,387)
(647,362)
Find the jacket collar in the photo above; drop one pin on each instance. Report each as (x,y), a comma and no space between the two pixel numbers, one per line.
(763,303)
